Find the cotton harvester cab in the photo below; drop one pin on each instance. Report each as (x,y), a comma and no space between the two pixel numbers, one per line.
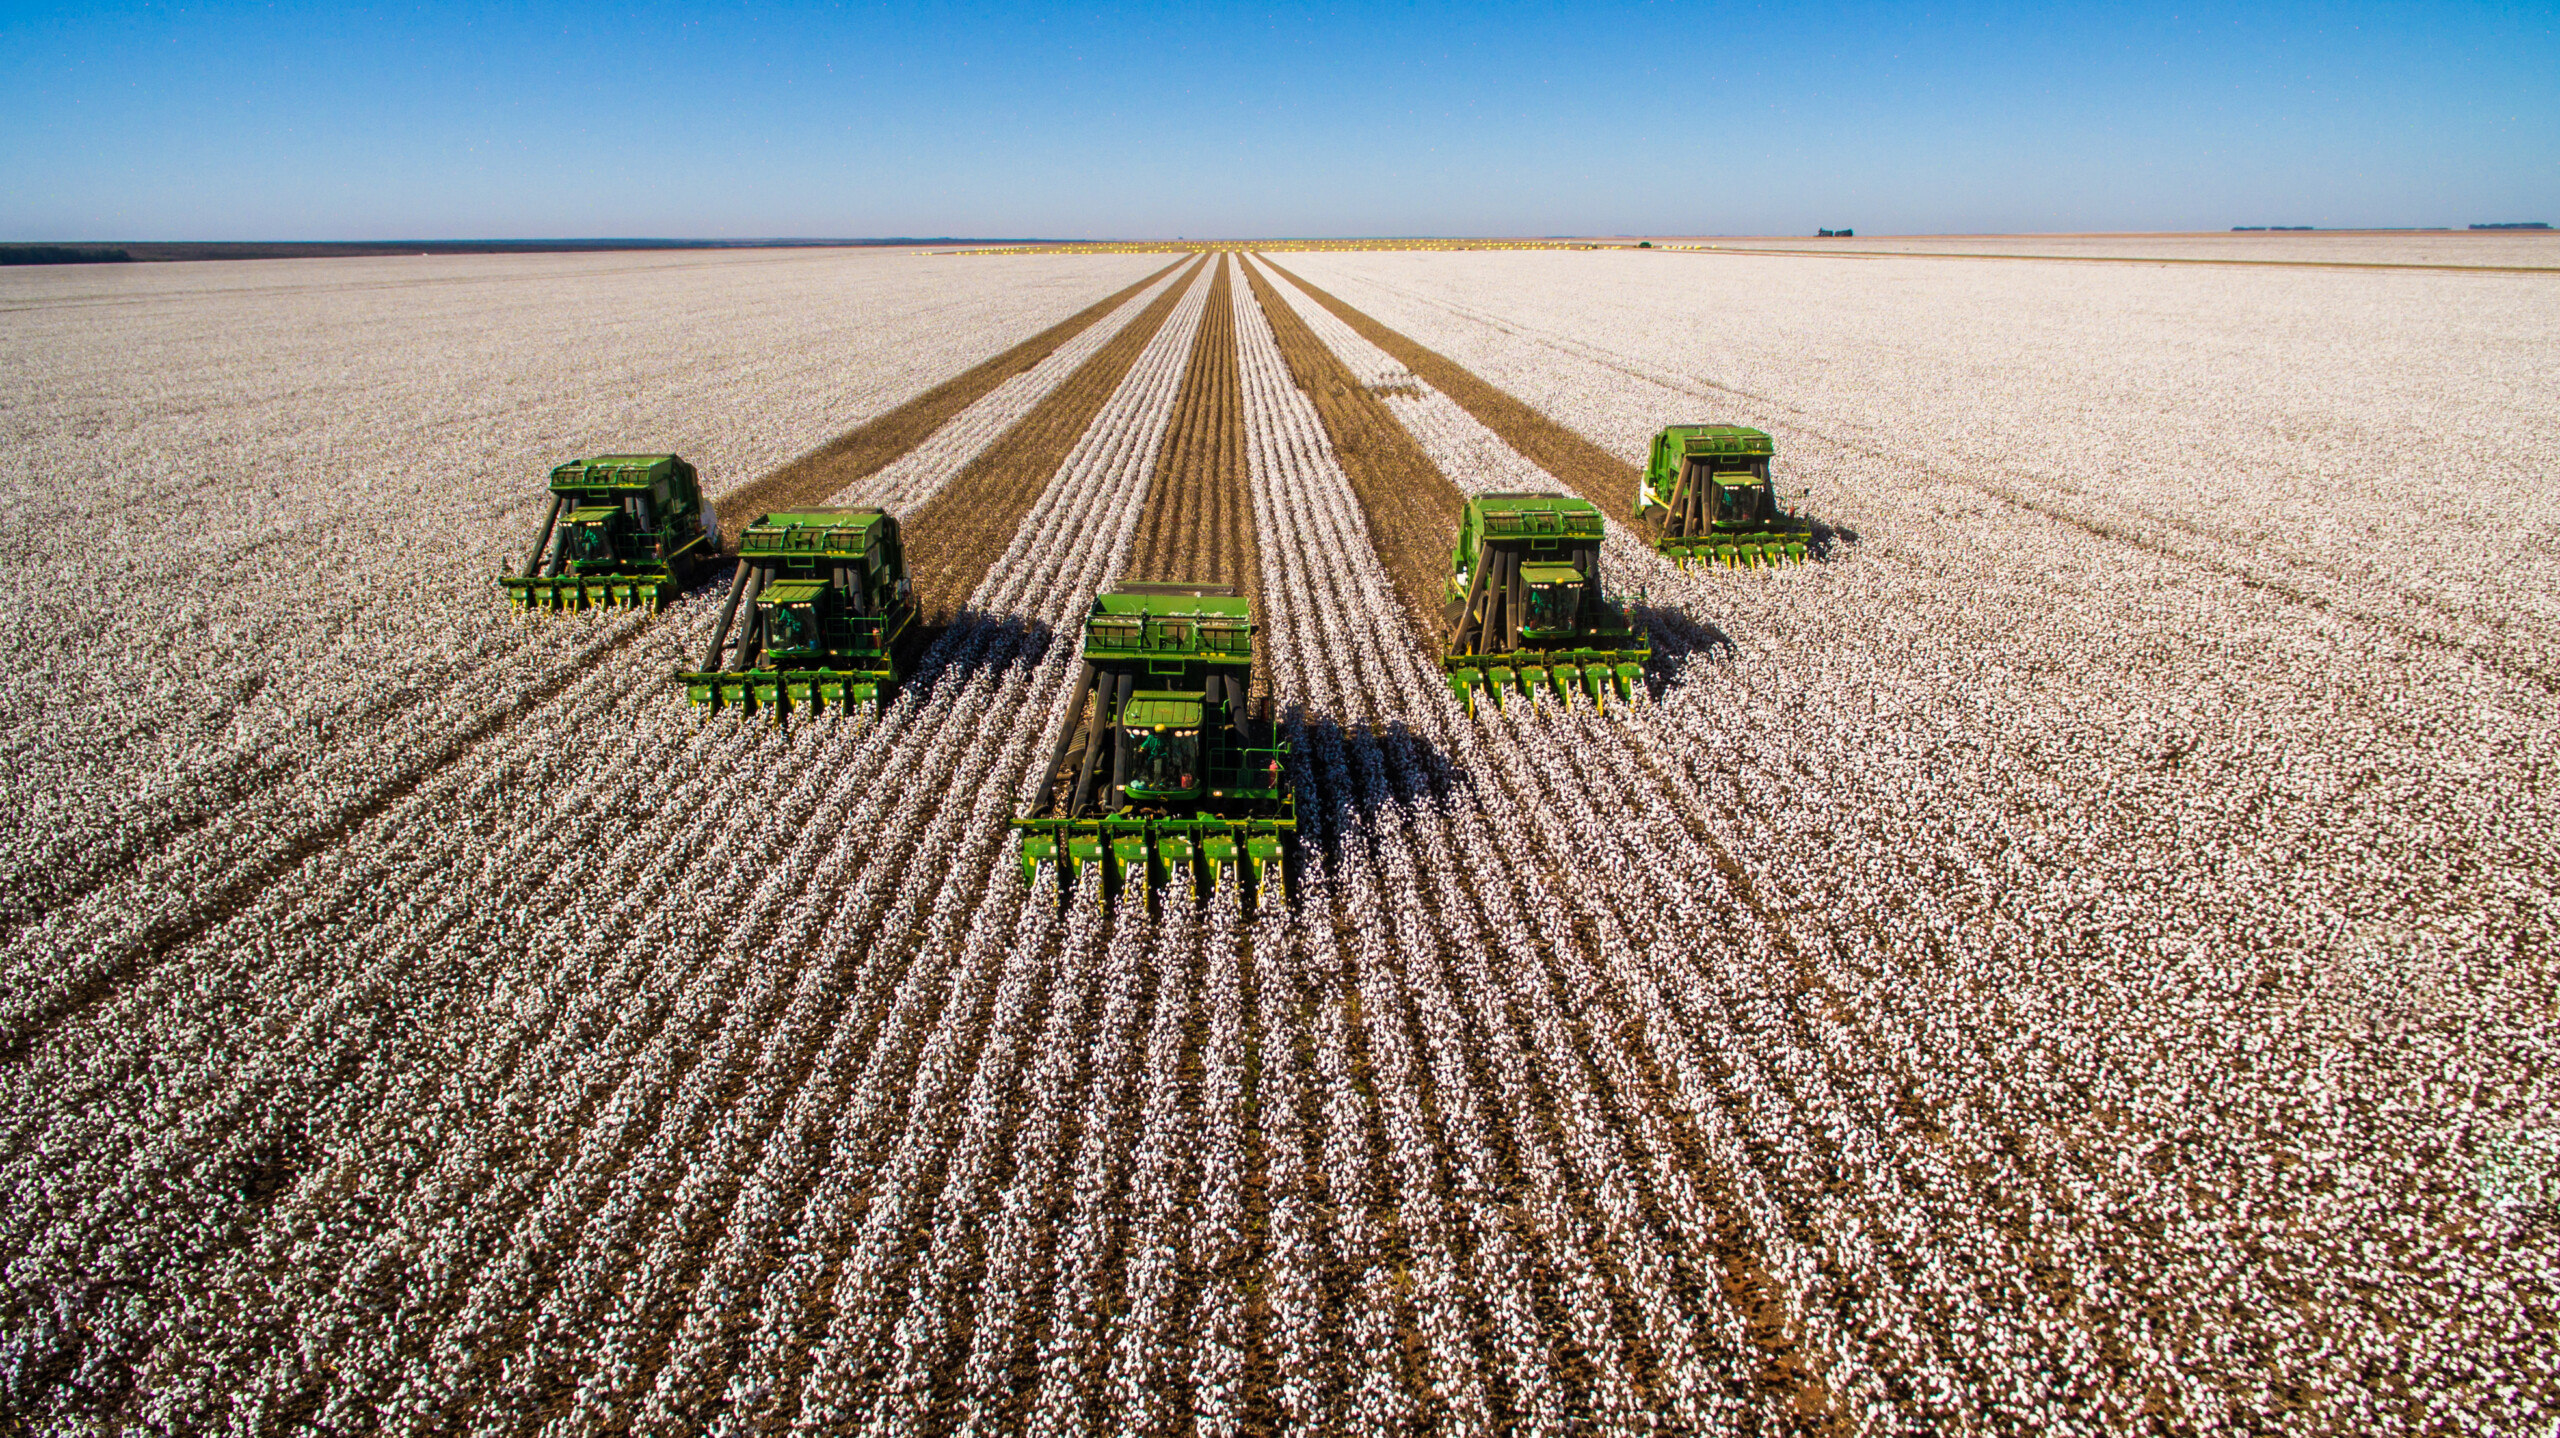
(1706,497)
(625,529)
(819,617)
(1525,611)
(1164,773)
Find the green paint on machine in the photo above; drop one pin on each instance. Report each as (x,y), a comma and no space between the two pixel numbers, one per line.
(1524,612)
(626,530)
(1165,773)
(820,617)
(1706,497)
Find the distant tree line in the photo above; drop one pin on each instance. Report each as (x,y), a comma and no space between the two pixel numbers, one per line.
(62,255)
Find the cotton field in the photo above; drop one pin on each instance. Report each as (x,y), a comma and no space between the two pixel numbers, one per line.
(2077,957)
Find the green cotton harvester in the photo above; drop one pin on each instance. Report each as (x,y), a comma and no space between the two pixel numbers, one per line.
(1706,498)
(1165,773)
(820,617)
(630,530)
(1525,613)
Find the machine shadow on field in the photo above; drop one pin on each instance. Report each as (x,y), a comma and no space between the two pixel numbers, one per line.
(1680,640)
(1829,540)
(1335,800)
(974,641)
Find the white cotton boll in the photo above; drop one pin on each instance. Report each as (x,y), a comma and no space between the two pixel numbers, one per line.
(2024,945)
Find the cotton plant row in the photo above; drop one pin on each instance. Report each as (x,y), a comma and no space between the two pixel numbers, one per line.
(2358,435)
(664,991)
(573,1289)
(400,937)
(2228,917)
(377,758)
(904,484)
(1086,1377)
(2216,1159)
(1416,684)
(1050,575)
(1287,462)
(260,596)
(973,709)
(976,700)
(653,669)
(1461,446)
(141,1132)
(1980,845)
(1327,546)
(991,717)
(620,1104)
(1365,360)
(981,699)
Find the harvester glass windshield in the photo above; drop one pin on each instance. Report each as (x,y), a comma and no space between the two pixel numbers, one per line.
(1555,595)
(591,535)
(795,628)
(1740,499)
(1162,731)
(1168,761)
(791,616)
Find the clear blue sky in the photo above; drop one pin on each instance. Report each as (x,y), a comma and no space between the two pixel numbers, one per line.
(298,121)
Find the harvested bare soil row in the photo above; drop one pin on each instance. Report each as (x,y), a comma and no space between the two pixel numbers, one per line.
(952,541)
(1411,507)
(1784,1374)
(1198,521)
(1594,473)
(1609,482)
(861,451)
(811,479)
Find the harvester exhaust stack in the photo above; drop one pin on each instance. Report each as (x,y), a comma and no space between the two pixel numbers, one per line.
(622,529)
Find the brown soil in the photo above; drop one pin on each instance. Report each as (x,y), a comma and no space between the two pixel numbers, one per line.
(1593,472)
(1198,520)
(1601,478)
(825,472)
(962,531)
(1412,508)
